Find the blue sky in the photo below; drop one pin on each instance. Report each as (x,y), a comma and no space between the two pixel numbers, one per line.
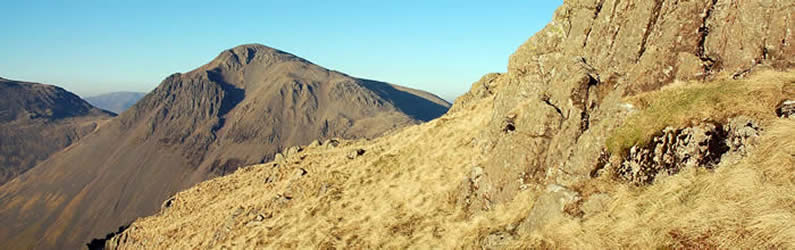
(92,47)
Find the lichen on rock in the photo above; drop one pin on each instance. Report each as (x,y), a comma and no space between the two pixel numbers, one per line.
(703,145)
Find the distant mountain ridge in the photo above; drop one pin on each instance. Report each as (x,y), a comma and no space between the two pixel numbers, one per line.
(243,107)
(37,120)
(116,102)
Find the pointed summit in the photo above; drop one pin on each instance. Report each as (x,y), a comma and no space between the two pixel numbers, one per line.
(257,54)
(242,108)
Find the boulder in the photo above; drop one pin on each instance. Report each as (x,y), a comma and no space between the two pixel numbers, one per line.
(356,153)
(786,109)
(595,204)
(291,151)
(549,207)
(279,157)
(331,143)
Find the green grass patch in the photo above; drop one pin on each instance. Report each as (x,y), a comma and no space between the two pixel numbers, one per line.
(684,104)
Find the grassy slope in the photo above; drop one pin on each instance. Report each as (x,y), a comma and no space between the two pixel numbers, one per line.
(403,193)
(749,205)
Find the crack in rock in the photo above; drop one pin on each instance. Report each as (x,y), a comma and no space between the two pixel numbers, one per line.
(652,22)
(597,10)
(703,32)
(546,99)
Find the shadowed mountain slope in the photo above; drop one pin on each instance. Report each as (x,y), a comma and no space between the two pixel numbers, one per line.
(240,109)
(37,120)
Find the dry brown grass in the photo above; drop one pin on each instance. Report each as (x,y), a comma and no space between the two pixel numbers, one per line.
(402,193)
(748,205)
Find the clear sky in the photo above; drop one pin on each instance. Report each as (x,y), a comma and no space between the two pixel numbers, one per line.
(93,47)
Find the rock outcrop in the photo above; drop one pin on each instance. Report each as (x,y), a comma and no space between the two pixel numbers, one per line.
(560,98)
(242,108)
(705,145)
(786,109)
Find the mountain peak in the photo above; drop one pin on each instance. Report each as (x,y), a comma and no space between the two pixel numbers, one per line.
(246,54)
(242,108)
(255,46)
(253,50)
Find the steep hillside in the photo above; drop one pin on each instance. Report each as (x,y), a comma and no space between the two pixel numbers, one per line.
(116,102)
(594,138)
(240,109)
(37,120)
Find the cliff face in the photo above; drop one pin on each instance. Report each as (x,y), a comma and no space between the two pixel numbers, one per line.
(242,108)
(37,120)
(562,86)
(522,160)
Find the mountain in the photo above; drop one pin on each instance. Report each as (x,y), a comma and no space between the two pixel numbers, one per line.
(37,120)
(622,124)
(116,102)
(242,108)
